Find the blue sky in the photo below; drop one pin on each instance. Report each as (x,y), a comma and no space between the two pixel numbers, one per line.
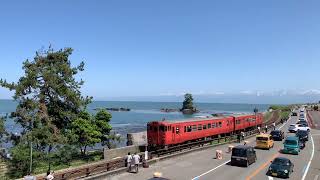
(168,47)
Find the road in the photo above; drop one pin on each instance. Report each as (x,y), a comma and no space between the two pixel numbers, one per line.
(202,165)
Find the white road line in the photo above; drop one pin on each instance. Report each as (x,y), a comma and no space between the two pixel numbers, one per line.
(270,178)
(307,169)
(210,170)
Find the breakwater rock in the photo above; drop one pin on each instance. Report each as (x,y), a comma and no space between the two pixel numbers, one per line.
(169,110)
(114,109)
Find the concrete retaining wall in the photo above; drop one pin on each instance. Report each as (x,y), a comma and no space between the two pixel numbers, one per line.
(139,138)
(110,154)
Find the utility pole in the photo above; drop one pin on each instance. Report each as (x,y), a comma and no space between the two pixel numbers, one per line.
(30,171)
(255,110)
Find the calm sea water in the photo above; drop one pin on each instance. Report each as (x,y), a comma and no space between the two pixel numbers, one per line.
(142,112)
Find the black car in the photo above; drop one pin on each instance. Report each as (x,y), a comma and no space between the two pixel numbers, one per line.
(277,135)
(302,135)
(280,167)
(243,155)
(294,114)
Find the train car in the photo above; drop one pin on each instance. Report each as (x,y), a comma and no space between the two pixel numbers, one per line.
(247,122)
(168,133)
(162,134)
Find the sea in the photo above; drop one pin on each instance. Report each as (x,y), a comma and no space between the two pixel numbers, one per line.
(140,113)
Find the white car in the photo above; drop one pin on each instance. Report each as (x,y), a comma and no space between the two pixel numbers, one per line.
(295,127)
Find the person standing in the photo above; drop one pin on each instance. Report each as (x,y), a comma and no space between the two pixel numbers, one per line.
(239,137)
(274,125)
(266,128)
(136,160)
(242,135)
(129,161)
(29,177)
(259,129)
(49,175)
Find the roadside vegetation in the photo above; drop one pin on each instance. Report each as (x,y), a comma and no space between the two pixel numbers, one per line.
(56,126)
(283,110)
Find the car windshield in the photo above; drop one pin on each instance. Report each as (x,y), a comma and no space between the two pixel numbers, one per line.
(275,132)
(290,142)
(279,161)
(302,133)
(262,138)
(238,152)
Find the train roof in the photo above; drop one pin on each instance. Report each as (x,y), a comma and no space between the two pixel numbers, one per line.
(201,119)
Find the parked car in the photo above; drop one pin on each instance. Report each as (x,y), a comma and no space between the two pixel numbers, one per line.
(291,145)
(277,135)
(280,167)
(243,155)
(264,141)
(302,135)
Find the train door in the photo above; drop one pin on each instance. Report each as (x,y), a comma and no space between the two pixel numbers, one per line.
(173,134)
(177,133)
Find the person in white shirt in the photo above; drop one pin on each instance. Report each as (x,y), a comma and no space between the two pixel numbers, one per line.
(259,129)
(129,161)
(50,175)
(136,160)
(274,126)
(29,177)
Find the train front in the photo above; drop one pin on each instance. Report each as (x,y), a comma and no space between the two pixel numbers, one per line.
(156,132)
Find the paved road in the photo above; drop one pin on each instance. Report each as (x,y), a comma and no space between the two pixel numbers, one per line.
(202,165)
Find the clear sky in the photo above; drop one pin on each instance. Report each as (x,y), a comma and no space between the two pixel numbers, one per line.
(167,47)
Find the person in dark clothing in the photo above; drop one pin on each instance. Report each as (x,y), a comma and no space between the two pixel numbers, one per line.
(239,137)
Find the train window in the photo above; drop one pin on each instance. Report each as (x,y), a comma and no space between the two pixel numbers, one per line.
(199,127)
(172,129)
(220,124)
(238,121)
(213,125)
(165,128)
(169,128)
(253,119)
(209,126)
(227,122)
(194,128)
(189,129)
(161,128)
(155,128)
(217,125)
(205,126)
(185,129)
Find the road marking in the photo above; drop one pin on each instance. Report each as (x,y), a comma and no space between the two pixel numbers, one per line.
(270,178)
(307,169)
(210,170)
(262,167)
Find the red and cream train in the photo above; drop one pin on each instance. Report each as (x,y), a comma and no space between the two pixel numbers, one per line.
(163,134)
